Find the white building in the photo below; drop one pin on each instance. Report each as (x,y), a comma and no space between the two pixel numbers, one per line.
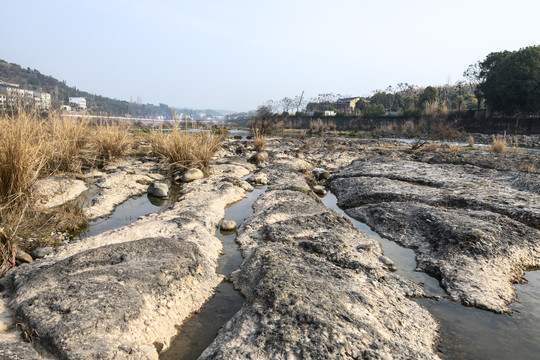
(78,102)
(11,95)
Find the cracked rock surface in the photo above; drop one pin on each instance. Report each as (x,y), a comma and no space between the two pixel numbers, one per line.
(315,287)
(473,217)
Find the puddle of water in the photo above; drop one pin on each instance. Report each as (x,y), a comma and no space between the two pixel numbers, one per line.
(243,133)
(128,212)
(469,333)
(198,332)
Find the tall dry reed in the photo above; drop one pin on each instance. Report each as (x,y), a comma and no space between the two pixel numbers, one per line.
(184,150)
(67,140)
(498,143)
(110,141)
(22,155)
(259,140)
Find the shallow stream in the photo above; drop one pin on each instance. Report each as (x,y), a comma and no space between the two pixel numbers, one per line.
(198,332)
(469,333)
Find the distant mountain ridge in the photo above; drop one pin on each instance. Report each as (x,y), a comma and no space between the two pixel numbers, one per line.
(32,79)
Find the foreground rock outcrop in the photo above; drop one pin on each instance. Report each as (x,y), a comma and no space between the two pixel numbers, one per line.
(315,287)
(473,217)
(121,294)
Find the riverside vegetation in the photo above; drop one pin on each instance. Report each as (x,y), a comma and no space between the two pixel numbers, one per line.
(33,148)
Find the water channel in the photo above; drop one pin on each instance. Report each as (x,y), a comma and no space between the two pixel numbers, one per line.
(469,333)
(198,332)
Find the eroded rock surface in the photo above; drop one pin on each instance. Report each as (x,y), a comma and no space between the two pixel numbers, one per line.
(473,216)
(315,287)
(115,295)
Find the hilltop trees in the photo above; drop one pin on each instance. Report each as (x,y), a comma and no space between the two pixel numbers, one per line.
(509,81)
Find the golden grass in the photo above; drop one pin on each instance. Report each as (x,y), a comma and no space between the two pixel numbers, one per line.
(259,140)
(22,156)
(470,141)
(32,148)
(184,150)
(110,141)
(498,144)
(67,139)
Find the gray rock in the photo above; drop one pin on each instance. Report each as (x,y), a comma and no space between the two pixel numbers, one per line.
(259,179)
(386,261)
(23,257)
(310,293)
(228,225)
(474,223)
(83,306)
(259,157)
(192,175)
(42,252)
(158,189)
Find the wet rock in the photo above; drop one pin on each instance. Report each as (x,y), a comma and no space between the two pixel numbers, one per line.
(259,157)
(42,252)
(192,175)
(158,189)
(240,150)
(319,190)
(259,179)
(321,174)
(228,225)
(386,261)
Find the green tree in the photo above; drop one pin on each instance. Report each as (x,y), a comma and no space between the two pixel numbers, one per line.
(510,81)
(429,96)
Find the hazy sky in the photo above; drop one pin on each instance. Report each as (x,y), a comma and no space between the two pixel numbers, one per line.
(237,54)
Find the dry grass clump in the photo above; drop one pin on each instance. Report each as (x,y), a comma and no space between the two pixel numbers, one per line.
(444,129)
(259,140)
(22,156)
(320,126)
(110,141)
(470,141)
(390,129)
(185,150)
(408,128)
(498,143)
(432,147)
(67,139)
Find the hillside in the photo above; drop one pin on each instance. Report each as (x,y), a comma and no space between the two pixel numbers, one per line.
(60,92)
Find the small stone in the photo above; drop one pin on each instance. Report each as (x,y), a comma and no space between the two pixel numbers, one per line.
(23,257)
(158,189)
(228,225)
(42,252)
(192,174)
(386,260)
(319,190)
(259,179)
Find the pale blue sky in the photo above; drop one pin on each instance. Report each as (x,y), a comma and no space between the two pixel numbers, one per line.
(237,54)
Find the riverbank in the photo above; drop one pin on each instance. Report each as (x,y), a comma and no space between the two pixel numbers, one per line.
(315,286)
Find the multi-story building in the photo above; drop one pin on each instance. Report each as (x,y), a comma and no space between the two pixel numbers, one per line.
(11,95)
(78,102)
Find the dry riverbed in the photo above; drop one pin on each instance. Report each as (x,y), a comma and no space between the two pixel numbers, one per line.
(315,286)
